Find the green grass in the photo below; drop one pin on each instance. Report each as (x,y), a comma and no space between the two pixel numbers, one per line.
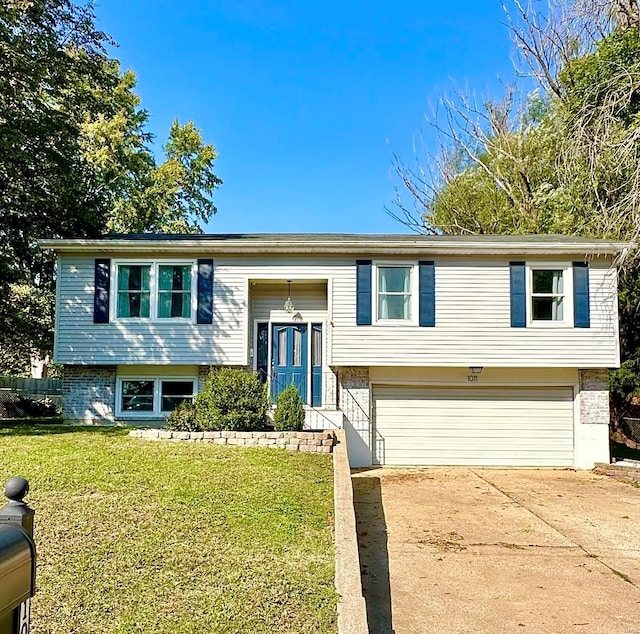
(139,536)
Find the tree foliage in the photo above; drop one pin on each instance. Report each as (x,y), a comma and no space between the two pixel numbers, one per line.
(76,160)
(563,159)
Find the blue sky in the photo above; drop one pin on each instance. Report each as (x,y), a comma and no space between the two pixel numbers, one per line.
(306,102)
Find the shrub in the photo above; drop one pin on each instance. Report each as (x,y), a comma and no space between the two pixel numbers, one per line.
(624,384)
(232,399)
(23,406)
(289,414)
(183,418)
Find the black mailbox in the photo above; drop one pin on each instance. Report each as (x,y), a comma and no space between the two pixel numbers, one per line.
(17,567)
(17,559)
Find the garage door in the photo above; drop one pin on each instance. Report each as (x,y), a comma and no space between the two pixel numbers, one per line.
(473,426)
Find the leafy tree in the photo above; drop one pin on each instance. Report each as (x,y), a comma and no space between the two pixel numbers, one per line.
(564,159)
(75,161)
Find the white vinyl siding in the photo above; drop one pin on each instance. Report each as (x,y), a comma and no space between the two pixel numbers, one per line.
(473,324)
(226,341)
(473,426)
(155,342)
(472,319)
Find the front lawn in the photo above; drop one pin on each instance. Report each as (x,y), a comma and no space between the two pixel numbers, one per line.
(138,536)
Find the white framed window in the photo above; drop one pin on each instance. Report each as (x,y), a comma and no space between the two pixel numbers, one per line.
(549,294)
(152,396)
(395,293)
(155,290)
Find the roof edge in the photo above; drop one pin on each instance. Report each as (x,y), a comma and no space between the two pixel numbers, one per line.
(300,244)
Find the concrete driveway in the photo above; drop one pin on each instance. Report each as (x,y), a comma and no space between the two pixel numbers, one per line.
(484,550)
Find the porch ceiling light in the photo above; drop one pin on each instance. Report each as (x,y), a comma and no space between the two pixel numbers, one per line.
(288,305)
(475,369)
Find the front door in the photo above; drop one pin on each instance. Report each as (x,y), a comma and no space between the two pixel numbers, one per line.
(289,359)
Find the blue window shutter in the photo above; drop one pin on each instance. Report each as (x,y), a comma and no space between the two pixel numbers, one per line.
(427,294)
(102,271)
(581,310)
(518,294)
(363,292)
(205,291)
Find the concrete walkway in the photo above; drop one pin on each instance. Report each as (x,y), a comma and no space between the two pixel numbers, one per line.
(466,551)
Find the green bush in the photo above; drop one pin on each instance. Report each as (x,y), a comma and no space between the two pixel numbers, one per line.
(232,399)
(289,414)
(624,384)
(183,418)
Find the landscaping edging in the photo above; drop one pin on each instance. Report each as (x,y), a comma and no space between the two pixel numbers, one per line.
(309,441)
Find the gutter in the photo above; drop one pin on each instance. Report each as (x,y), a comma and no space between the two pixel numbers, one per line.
(301,247)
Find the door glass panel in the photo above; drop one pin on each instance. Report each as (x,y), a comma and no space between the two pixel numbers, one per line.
(316,346)
(263,351)
(297,347)
(282,347)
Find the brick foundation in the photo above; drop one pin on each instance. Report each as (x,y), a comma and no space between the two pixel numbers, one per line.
(89,394)
(594,397)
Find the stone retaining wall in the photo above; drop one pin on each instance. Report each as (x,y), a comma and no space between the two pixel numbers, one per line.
(621,472)
(310,441)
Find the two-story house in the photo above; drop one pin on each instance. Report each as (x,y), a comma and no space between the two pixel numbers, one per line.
(474,350)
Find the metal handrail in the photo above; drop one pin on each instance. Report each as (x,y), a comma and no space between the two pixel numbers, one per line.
(282,384)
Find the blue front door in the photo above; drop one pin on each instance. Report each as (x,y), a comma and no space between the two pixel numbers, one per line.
(289,359)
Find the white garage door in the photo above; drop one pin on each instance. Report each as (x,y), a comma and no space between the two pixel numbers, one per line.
(473,426)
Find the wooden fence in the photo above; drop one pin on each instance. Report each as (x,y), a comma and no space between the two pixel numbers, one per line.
(29,398)
(40,387)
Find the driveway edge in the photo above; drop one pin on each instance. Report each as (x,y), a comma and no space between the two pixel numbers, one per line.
(352,609)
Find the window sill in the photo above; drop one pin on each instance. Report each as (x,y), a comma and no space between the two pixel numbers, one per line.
(550,324)
(395,323)
(157,320)
(140,416)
